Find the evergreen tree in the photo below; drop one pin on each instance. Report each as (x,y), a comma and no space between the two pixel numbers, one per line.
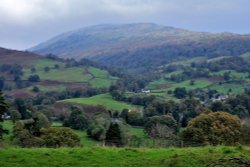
(21,108)
(3,108)
(113,135)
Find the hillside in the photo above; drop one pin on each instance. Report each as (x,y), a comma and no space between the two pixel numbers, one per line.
(123,157)
(54,74)
(203,74)
(139,47)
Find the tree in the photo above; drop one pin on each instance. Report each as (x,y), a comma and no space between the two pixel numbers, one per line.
(59,137)
(245,133)
(180,93)
(22,108)
(34,78)
(164,126)
(46,69)
(33,69)
(23,137)
(213,128)
(113,135)
(241,111)
(118,133)
(192,82)
(132,117)
(192,137)
(227,75)
(40,121)
(77,120)
(2,82)
(98,126)
(35,89)
(3,107)
(15,115)
(56,66)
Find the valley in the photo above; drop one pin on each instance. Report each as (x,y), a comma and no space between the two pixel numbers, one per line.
(141,93)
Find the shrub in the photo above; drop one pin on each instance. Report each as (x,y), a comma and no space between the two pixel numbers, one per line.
(59,137)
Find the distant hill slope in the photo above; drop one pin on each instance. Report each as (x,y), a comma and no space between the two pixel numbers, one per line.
(60,75)
(21,58)
(142,46)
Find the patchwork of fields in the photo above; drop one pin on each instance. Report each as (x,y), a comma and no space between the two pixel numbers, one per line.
(59,77)
(236,85)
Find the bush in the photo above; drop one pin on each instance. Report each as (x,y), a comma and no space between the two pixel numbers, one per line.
(60,137)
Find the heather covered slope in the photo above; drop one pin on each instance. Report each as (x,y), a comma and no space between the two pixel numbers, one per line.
(142,46)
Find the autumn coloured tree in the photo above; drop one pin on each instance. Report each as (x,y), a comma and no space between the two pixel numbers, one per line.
(214,128)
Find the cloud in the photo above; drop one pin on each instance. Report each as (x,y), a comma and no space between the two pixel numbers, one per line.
(24,23)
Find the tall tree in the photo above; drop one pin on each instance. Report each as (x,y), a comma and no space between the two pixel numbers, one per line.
(3,108)
(113,135)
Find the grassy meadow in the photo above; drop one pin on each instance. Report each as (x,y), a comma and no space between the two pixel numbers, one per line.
(123,157)
(104,100)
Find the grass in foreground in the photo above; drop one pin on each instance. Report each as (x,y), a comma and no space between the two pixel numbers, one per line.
(122,157)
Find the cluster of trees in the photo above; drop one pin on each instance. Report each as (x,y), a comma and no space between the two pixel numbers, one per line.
(103,126)
(188,73)
(36,132)
(15,72)
(166,123)
(239,64)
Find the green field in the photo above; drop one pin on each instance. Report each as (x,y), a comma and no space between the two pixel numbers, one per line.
(39,64)
(99,82)
(74,74)
(104,100)
(98,73)
(199,83)
(114,157)
(233,74)
(225,87)
(8,125)
(95,77)
(48,88)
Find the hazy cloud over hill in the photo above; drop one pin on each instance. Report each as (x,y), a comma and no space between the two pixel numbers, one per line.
(24,23)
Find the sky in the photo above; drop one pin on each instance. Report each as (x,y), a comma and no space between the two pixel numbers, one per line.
(26,23)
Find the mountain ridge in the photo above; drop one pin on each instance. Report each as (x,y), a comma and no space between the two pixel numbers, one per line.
(122,43)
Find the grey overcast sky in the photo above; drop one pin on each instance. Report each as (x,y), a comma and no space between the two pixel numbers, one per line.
(25,23)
